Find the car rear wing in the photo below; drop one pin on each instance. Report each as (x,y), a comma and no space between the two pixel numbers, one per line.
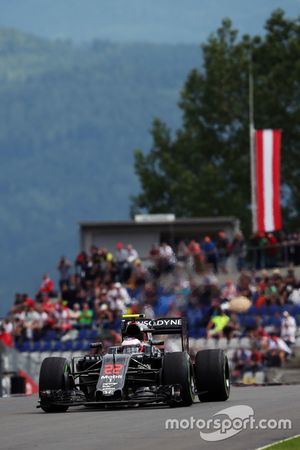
(164,326)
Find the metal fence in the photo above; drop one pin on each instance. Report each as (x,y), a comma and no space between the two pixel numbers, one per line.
(11,362)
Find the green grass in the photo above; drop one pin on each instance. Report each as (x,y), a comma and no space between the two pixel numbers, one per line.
(291,444)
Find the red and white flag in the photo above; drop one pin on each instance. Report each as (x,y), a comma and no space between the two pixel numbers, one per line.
(268,212)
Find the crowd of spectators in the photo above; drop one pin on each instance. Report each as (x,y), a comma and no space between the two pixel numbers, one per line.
(98,287)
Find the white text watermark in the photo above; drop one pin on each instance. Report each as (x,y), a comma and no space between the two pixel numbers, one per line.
(239,418)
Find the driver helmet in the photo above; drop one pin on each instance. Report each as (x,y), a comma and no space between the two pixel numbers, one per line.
(133,330)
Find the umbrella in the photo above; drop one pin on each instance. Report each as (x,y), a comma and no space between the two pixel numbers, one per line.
(239,304)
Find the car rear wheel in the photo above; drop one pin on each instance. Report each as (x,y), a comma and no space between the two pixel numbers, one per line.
(54,376)
(177,369)
(212,377)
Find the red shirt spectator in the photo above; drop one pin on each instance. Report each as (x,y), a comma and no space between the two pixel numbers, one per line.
(47,285)
(194,248)
(6,337)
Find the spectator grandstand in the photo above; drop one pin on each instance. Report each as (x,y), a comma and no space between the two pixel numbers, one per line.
(254,316)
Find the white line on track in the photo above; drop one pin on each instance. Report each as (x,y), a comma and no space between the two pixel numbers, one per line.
(278,442)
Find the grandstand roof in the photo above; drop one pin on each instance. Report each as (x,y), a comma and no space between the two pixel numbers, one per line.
(143,234)
(211,221)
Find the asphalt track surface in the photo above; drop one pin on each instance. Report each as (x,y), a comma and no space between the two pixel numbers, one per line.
(22,426)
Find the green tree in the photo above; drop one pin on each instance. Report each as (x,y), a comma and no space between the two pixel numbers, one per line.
(205,169)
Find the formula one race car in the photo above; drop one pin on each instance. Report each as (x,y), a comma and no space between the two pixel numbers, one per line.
(138,371)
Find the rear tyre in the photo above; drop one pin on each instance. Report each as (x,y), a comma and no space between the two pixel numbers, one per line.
(212,376)
(177,369)
(53,376)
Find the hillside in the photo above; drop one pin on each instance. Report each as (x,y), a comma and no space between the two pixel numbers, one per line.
(70,117)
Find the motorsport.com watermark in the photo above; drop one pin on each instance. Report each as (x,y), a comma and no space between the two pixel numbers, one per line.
(239,418)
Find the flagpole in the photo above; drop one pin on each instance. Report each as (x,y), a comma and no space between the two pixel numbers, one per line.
(252,148)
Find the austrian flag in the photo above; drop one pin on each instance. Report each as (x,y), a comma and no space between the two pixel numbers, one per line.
(268,212)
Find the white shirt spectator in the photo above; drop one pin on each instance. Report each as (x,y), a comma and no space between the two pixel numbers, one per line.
(118,298)
(229,290)
(8,326)
(288,328)
(295,296)
(32,316)
(166,251)
(122,293)
(132,254)
(74,314)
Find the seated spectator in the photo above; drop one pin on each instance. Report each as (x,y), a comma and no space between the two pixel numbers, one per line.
(253,365)
(62,317)
(108,325)
(27,301)
(103,315)
(33,322)
(86,316)
(273,358)
(217,324)
(46,303)
(74,315)
(81,296)
(101,297)
(294,296)
(288,328)
(18,331)
(229,291)
(241,360)
(138,275)
(257,331)
(70,291)
(118,298)
(244,284)
(233,327)
(209,289)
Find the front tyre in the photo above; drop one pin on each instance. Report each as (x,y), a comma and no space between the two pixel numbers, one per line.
(212,376)
(177,369)
(53,376)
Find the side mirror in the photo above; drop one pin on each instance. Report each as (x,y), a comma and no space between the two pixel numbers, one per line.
(96,345)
